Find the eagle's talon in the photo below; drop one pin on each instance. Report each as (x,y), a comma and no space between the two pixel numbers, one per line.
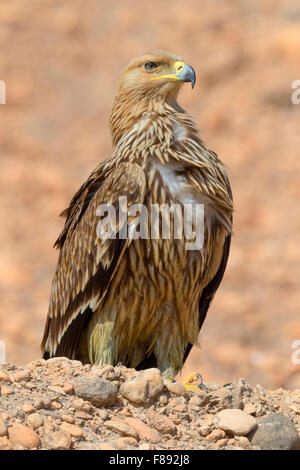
(189,382)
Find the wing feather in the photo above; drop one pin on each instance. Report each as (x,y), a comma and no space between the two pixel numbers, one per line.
(87,263)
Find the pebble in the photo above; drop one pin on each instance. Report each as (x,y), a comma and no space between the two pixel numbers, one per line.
(275,432)
(236,421)
(35,420)
(24,436)
(68,419)
(27,408)
(68,388)
(57,440)
(145,431)
(5,391)
(71,429)
(3,428)
(4,376)
(176,388)
(98,391)
(162,423)
(122,428)
(5,444)
(135,390)
(216,435)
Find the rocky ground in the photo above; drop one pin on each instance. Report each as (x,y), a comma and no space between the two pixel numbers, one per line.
(62,404)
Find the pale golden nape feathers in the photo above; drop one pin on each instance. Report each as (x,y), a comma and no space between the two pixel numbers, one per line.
(135,299)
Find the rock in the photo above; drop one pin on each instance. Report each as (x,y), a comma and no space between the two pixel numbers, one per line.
(3,428)
(154,380)
(236,422)
(68,419)
(106,446)
(68,388)
(27,408)
(145,446)
(35,420)
(216,435)
(148,384)
(275,432)
(145,431)
(162,423)
(56,389)
(57,440)
(99,392)
(5,391)
(122,428)
(176,388)
(4,376)
(24,436)
(5,444)
(135,390)
(250,408)
(71,429)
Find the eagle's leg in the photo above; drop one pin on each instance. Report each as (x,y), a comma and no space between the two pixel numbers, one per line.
(102,347)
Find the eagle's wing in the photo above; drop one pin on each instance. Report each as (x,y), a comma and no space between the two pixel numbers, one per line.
(221,198)
(87,263)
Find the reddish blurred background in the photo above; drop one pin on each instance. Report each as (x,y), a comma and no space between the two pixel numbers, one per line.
(61,62)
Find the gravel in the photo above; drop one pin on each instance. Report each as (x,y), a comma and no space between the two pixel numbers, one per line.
(61,404)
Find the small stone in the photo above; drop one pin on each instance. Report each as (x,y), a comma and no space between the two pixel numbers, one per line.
(56,405)
(35,420)
(27,408)
(103,415)
(216,435)
(106,446)
(155,381)
(145,446)
(162,423)
(124,442)
(56,389)
(5,391)
(163,400)
(5,444)
(3,428)
(21,375)
(236,422)
(122,428)
(71,429)
(67,419)
(4,376)
(243,442)
(99,392)
(275,432)
(176,388)
(145,431)
(68,388)
(57,440)
(23,436)
(200,399)
(78,404)
(250,408)
(135,390)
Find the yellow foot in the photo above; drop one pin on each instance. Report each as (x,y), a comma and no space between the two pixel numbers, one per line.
(194,382)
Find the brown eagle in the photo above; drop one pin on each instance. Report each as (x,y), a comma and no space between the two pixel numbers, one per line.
(135,299)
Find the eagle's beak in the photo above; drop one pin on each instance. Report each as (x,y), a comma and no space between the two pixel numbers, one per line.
(184,73)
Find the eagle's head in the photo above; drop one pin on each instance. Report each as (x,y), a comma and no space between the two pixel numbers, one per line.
(156,74)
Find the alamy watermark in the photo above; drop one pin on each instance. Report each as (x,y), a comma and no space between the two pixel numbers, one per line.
(296,94)
(156,221)
(2,92)
(2,352)
(296,354)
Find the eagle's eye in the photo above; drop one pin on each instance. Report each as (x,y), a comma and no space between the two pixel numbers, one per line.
(149,66)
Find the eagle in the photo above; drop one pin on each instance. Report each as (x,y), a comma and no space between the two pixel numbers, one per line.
(131,298)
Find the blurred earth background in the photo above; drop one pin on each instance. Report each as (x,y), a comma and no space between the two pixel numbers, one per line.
(61,62)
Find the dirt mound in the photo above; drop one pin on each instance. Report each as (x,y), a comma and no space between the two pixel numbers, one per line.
(62,404)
